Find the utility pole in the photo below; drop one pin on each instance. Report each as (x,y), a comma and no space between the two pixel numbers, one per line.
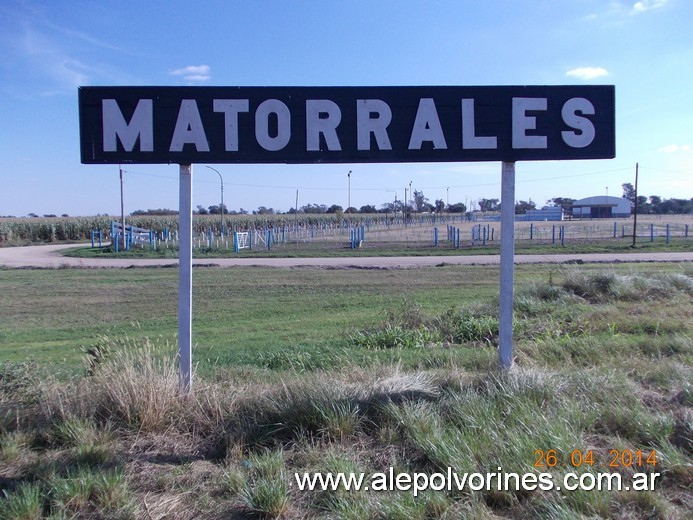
(394,207)
(405,208)
(635,209)
(122,208)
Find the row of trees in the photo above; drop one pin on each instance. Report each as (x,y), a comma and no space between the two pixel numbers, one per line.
(655,205)
(420,204)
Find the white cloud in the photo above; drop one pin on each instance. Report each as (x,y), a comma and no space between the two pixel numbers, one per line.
(587,73)
(56,59)
(193,72)
(617,12)
(647,5)
(51,61)
(673,148)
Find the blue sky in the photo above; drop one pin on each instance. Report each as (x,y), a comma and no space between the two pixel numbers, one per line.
(49,48)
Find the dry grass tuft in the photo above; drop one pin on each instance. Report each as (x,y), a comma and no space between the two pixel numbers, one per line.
(137,389)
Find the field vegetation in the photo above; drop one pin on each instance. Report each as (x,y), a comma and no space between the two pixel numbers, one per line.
(329,233)
(24,231)
(344,371)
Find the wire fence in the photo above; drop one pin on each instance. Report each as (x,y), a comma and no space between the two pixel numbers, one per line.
(422,232)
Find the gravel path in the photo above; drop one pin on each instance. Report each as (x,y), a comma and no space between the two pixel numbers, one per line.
(50,257)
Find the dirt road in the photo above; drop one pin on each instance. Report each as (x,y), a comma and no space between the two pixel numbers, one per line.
(49,257)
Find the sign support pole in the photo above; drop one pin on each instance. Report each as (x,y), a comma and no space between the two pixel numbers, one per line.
(185,278)
(635,209)
(507,254)
(122,209)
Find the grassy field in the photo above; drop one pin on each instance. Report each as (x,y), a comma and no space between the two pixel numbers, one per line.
(238,313)
(323,250)
(342,370)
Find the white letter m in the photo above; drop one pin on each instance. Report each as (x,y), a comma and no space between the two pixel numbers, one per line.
(141,125)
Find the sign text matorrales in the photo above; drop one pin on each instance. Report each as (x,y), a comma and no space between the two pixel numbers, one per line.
(188,125)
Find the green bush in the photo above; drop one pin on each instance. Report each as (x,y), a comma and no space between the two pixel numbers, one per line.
(394,337)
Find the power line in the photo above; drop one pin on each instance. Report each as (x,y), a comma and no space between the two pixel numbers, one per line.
(245,185)
(527,180)
(664,171)
(477,185)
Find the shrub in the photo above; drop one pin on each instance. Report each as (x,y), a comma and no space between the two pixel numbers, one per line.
(266,491)
(463,327)
(606,286)
(19,381)
(25,503)
(394,337)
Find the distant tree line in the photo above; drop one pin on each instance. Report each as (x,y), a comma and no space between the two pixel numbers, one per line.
(147,212)
(419,203)
(656,205)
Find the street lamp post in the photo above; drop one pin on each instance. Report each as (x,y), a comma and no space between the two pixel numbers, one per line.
(221,208)
(411,195)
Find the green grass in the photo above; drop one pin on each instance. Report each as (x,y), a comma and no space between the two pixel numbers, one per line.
(326,249)
(341,370)
(25,503)
(239,314)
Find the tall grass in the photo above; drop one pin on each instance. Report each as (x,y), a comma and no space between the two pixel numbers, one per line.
(136,387)
(25,503)
(425,421)
(123,442)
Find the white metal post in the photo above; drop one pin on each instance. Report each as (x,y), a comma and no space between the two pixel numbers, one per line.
(349,203)
(185,278)
(507,254)
(122,210)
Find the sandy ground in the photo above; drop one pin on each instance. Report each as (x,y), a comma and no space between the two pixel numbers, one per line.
(49,256)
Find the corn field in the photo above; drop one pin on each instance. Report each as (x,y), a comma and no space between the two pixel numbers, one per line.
(22,230)
(18,231)
(330,228)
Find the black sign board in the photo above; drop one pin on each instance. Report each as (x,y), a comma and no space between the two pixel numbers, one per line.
(187,125)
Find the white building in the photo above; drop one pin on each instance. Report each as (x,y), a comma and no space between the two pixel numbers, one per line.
(602,206)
